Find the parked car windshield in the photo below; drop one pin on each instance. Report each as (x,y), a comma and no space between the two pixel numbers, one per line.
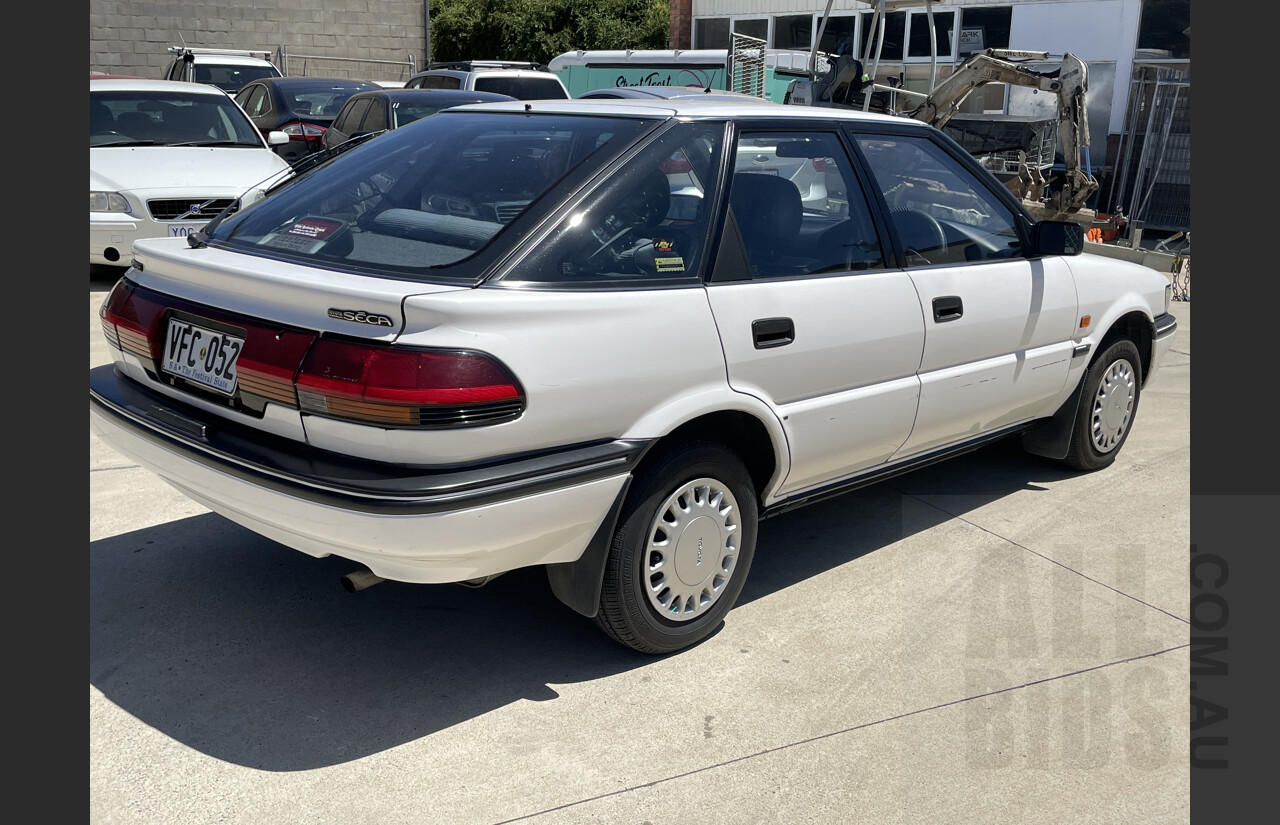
(124,118)
(420,200)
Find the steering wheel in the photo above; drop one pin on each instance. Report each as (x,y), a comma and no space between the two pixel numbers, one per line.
(919,230)
(606,240)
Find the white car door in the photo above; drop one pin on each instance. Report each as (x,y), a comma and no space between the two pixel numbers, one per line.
(1000,327)
(811,320)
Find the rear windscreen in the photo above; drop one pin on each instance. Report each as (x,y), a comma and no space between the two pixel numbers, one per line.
(523,88)
(421,200)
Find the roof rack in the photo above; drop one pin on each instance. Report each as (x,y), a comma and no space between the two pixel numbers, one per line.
(472,65)
(263,53)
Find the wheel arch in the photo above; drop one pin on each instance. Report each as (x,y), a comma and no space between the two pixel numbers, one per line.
(1136,327)
(577,584)
(1051,438)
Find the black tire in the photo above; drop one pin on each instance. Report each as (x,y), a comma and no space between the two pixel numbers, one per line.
(1112,387)
(663,589)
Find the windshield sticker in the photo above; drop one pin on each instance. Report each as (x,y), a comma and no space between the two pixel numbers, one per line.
(666,259)
(305,235)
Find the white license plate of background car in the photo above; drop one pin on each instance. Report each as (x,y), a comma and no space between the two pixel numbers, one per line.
(205,356)
(184,229)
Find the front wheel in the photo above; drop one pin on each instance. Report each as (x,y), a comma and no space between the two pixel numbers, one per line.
(1108,404)
(681,553)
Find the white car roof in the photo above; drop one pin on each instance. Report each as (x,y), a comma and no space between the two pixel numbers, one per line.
(689,107)
(145,85)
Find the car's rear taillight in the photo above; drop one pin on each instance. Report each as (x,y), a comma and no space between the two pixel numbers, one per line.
(303,131)
(396,386)
(819,164)
(361,382)
(126,323)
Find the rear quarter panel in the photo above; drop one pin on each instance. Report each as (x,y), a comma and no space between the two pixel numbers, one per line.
(593,365)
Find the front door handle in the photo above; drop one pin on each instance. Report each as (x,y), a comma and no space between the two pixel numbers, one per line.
(947,308)
(772,332)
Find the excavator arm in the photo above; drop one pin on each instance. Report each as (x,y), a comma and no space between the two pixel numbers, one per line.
(1069,83)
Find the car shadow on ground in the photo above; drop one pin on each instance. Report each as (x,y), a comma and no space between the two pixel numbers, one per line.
(807,542)
(254,654)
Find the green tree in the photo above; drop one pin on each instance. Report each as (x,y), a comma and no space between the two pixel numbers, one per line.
(538,30)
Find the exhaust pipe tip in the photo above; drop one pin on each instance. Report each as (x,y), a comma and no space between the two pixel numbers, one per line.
(359,580)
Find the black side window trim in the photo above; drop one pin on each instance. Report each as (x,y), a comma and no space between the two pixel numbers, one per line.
(854,131)
(723,233)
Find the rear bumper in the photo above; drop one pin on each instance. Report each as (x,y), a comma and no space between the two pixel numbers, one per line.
(428,525)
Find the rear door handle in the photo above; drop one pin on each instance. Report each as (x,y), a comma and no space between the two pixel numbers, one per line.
(772,332)
(947,308)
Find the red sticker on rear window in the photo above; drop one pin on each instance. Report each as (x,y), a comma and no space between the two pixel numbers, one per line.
(315,228)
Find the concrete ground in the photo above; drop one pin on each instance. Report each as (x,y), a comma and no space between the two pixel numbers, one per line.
(991,640)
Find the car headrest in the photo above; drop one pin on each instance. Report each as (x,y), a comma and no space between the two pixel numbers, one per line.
(767,207)
(651,199)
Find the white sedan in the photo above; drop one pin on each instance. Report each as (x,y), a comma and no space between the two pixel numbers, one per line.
(164,158)
(494,339)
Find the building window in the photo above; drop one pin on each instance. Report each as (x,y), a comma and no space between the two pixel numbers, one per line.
(1166,25)
(711,33)
(795,31)
(895,29)
(838,36)
(988,28)
(754,27)
(918,42)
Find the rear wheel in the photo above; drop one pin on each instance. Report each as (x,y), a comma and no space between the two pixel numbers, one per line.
(681,553)
(1112,388)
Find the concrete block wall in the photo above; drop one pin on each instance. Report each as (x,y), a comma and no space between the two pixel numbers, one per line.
(132,37)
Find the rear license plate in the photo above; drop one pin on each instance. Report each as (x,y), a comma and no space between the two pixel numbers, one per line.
(205,356)
(184,229)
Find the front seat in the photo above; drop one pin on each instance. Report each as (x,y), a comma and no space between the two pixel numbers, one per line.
(768,210)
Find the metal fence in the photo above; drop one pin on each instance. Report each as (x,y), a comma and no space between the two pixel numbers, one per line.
(1153,166)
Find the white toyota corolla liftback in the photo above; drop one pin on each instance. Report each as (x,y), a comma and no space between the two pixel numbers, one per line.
(581,334)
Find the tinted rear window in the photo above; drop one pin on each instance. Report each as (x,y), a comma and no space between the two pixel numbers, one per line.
(423,201)
(523,88)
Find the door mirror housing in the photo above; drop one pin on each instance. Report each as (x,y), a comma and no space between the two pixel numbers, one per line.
(1057,238)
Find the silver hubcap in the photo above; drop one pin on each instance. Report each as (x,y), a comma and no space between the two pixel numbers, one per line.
(1113,406)
(692,549)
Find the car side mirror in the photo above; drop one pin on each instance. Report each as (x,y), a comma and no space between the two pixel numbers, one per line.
(1057,238)
(277,138)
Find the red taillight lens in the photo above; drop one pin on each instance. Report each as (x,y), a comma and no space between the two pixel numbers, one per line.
(380,384)
(126,322)
(819,164)
(303,131)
